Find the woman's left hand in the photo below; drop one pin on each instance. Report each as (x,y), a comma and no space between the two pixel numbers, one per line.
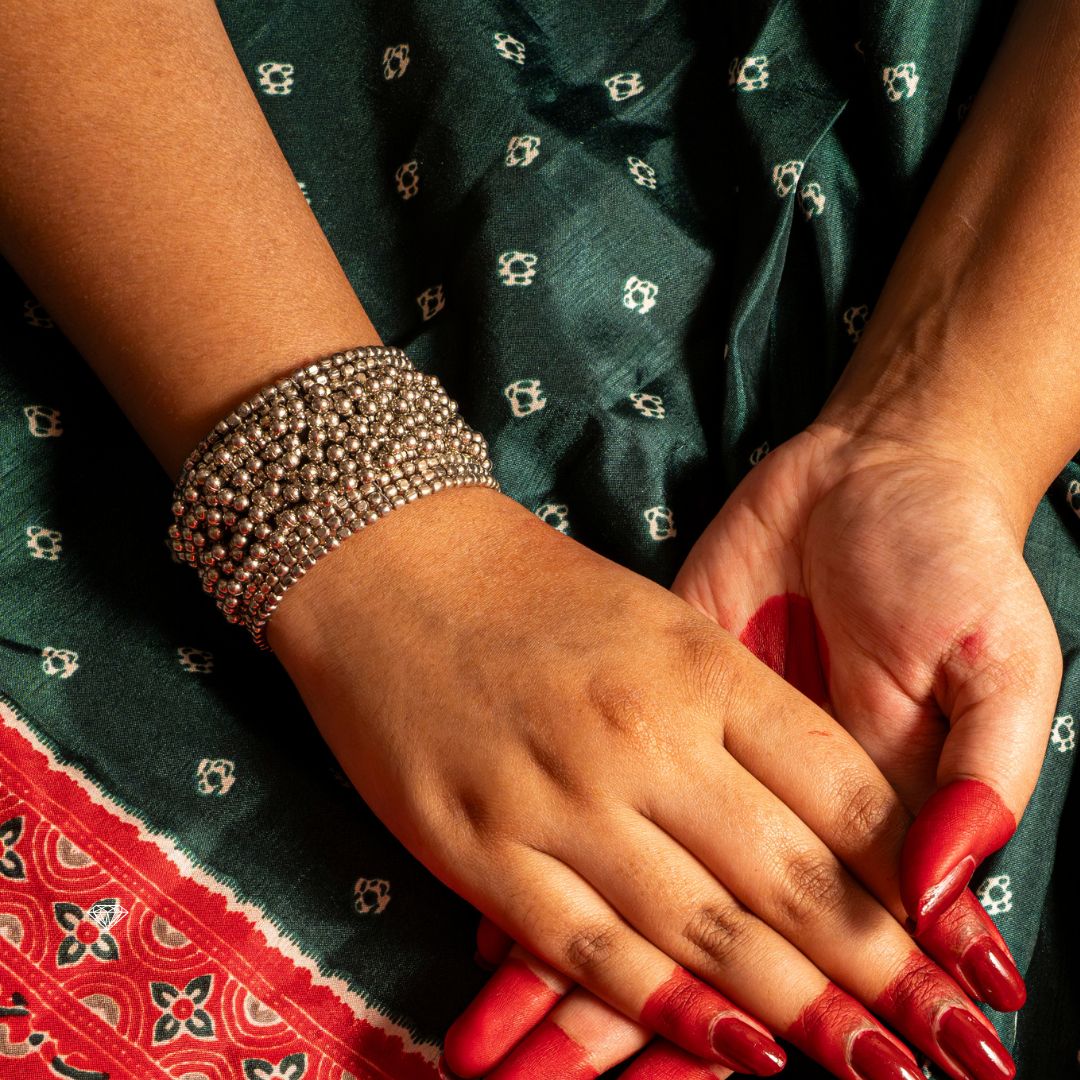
(887,583)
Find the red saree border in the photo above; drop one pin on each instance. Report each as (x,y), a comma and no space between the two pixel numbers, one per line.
(191,983)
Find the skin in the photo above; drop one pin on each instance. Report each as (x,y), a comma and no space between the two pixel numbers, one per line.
(135,216)
(915,487)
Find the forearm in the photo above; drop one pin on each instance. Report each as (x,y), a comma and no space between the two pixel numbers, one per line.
(163,230)
(974,344)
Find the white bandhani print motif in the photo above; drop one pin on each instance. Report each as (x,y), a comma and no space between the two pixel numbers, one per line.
(215,776)
(522,150)
(995,894)
(661,522)
(900,81)
(302,185)
(517,267)
(785,176)
(61,663)
(195,661)
(643,173)
(639,295)
(44,422)
(275,77)
(525,396)
(407,179)
(509,48)
(557,515)
(432,300)
(625,84)
(855,321)
(43,543)
(395,61)
(749,73)
(648,405)
(811,200)
(1063,734)
(760,453)
(370,896)
(35,315)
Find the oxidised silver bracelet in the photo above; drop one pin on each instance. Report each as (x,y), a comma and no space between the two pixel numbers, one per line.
(308,461)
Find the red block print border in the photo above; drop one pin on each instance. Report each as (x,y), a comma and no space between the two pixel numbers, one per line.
(192,983)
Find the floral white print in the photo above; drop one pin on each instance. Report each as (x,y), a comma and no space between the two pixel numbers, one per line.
(648,404)
(525,396)
(61,663)
(900,81)
(371,895)
(215,776)
(855,320)
(509,48)
(517,267)
(43,543)
(749,73)
(811,199)
(1063,734)
(759,453)
(625,84)
(643,173)
(395,61)
(995,894)
(432,300)
(275,77)
(639,295)
(661,522)
(556,515)
(522,150)
(195,661)
(44,422)
(407,179)
(786,175)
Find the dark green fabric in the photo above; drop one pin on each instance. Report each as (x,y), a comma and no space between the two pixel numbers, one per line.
(756,306)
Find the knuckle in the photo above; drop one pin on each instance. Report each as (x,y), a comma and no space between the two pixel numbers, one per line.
(703,655)
(590,948)
(813,888)
(720,930)
(869,816)
(623,708)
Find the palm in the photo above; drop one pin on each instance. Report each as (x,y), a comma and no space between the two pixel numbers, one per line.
(915,577)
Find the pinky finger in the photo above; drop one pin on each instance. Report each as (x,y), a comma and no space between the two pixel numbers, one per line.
(512,1002)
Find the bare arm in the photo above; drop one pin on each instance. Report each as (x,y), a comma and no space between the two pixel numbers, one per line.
(136,214)
(974,345)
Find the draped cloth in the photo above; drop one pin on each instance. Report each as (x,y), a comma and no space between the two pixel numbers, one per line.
(638,243)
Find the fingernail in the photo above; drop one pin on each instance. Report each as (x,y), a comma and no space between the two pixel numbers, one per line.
(874,1057)
(941,896)
(993,975)
(444,1069)
(746,1049)
(962,1037)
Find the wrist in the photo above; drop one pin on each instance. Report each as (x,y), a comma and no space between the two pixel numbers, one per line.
(921,403)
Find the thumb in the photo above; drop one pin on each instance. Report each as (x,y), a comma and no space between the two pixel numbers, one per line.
(1000,704)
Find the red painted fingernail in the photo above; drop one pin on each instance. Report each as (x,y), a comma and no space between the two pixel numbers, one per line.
(874,1057)
(549,1051)
(963,1038)
(959,825)
(747,1050)
(993,975)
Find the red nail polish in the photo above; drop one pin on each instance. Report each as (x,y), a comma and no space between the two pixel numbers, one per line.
(959,825)
(993,975)
(662,1061)
(874,1057)
(747,1050)
(967,1041)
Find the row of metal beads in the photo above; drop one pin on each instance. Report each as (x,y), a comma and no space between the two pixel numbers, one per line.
(308,461)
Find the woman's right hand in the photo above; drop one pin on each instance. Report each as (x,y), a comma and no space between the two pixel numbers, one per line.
(622,788)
